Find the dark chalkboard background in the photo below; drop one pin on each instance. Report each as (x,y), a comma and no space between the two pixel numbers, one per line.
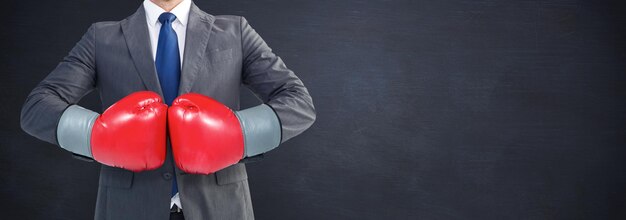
(426,109)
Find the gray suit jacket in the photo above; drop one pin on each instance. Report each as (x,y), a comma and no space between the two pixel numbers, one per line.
(221,53)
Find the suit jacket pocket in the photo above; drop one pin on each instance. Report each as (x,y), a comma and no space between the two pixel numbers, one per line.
(115,177)
(217,56)
(231,174)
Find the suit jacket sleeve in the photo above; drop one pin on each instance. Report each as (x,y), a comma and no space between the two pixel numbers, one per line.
(269,78)
(73,78)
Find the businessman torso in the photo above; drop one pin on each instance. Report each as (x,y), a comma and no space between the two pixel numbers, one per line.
(212,62)
(221,54)
(212,65)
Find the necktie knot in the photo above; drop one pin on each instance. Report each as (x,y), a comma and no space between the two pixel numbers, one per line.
(167,17)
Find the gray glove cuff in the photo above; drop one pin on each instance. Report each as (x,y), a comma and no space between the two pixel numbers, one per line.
(74,130)
(261,129)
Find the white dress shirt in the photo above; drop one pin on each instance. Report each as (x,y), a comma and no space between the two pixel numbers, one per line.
(153,12)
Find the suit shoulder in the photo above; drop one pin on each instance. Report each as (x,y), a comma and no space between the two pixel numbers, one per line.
(106,25)
(232,18)
(228,19)
(227,23)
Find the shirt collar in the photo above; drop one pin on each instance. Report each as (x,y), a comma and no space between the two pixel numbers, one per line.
(153,11)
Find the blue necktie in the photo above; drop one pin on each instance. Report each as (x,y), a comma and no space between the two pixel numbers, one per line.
(168,65)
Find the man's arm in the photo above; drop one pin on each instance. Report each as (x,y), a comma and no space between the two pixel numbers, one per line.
(73,78)
(281,91)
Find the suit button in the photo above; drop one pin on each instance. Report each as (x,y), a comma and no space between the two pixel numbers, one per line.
(167,176)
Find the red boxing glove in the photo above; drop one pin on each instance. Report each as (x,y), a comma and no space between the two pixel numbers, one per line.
(131,133)
(205,134)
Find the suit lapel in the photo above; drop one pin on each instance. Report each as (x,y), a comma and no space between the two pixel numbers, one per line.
(135,31)
(198,33)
